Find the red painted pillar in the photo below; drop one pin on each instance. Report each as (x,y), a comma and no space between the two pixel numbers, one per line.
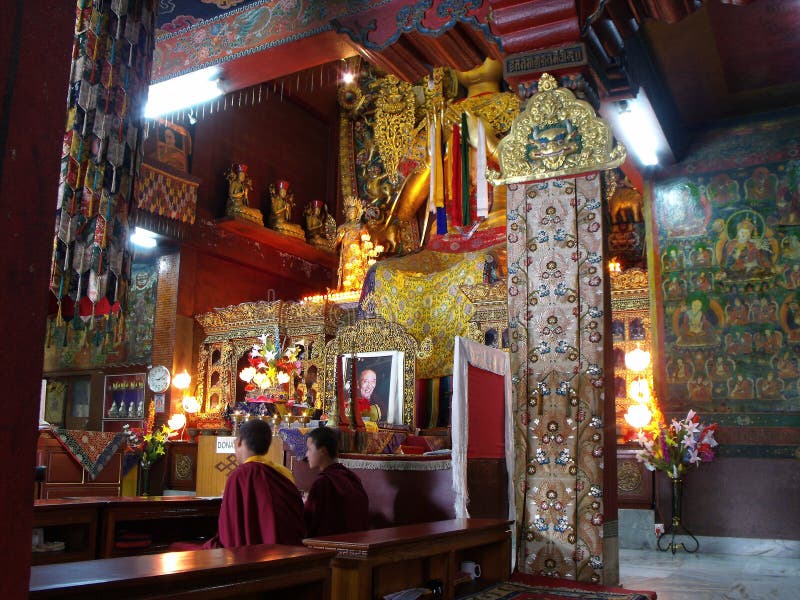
(35,48)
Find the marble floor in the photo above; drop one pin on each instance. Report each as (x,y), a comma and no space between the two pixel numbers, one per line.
(705,576)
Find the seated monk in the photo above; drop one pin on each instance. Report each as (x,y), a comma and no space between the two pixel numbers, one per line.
(337,502)
(260,504)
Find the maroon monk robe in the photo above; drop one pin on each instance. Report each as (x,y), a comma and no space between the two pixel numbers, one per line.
(259,506)
(336,503)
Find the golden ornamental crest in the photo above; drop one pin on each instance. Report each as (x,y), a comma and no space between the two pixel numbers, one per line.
(394,122)
(555,135)
(249,318)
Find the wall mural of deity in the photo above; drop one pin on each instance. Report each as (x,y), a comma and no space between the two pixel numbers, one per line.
(728,244)
(141,311)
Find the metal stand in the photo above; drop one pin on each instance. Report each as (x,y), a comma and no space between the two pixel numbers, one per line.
(676,528)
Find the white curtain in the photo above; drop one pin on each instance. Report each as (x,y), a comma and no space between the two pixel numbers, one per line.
(495,361)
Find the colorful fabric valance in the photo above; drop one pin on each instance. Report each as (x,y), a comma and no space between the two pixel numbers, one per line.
(166,194)
(92,449)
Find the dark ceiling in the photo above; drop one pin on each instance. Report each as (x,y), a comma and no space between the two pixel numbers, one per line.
(699,62)
(726,61)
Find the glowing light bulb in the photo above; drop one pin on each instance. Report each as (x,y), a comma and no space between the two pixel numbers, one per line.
(638,415)
(637,359)
(190,404)
(182,380)
(177,422)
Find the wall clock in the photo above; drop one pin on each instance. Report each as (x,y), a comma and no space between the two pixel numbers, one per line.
(158,379)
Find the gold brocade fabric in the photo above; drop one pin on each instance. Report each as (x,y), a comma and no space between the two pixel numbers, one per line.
(421,293)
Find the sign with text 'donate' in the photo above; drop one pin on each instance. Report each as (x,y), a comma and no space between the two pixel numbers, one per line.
(225,444)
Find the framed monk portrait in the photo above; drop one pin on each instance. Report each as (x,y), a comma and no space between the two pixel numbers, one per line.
(173,145)
(378,383)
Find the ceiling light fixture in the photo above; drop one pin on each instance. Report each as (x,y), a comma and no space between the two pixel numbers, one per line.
(635,124)
(143,238)
(639,128)
(180,92)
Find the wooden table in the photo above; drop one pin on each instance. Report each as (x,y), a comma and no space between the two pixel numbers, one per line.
(371,564)
(290,572)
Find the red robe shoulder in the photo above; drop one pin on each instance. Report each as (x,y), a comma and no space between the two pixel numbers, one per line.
(336,503)
(259,506)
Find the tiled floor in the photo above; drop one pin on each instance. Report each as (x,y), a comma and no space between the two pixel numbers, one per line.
(706,576)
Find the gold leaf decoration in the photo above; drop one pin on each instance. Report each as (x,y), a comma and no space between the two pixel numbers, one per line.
(556,135)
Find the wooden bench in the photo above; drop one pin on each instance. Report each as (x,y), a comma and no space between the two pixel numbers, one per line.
(371,564)
(90,527)
(290,572)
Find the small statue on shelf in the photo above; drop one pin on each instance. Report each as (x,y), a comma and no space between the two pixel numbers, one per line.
(320,226)
(113,412)
(282,203)
(239,187)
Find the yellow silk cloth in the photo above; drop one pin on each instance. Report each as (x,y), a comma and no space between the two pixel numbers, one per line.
(421,293)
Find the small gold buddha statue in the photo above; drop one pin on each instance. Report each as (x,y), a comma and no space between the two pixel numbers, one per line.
(282,203)
(239,186)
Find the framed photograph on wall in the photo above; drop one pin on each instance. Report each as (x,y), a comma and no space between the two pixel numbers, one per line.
(55,402)
(124,401)
(378,384)
(173,145)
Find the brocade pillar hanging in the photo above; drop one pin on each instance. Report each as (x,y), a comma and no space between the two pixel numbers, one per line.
(551,161)
(556,274)
(109,79)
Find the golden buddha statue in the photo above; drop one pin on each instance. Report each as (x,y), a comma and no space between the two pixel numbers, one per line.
(497,110)
(416,291)
(239,187)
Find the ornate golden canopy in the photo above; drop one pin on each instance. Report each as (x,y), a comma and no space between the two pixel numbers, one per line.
(555,135)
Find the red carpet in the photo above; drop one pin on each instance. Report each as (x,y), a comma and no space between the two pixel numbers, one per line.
(530,587)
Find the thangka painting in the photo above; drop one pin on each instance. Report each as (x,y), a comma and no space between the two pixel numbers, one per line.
(141,312)
(728,246)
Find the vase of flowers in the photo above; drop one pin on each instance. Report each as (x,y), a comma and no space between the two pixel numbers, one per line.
(268,373)
(149,444)
(673,449)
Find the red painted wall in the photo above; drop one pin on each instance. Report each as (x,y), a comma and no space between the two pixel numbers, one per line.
(209,282)
(35,49)
(277,140)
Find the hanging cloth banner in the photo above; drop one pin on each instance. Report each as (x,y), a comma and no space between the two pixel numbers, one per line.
(455,176)
(432,162)
(437,176)
(482,194)
(465,213)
